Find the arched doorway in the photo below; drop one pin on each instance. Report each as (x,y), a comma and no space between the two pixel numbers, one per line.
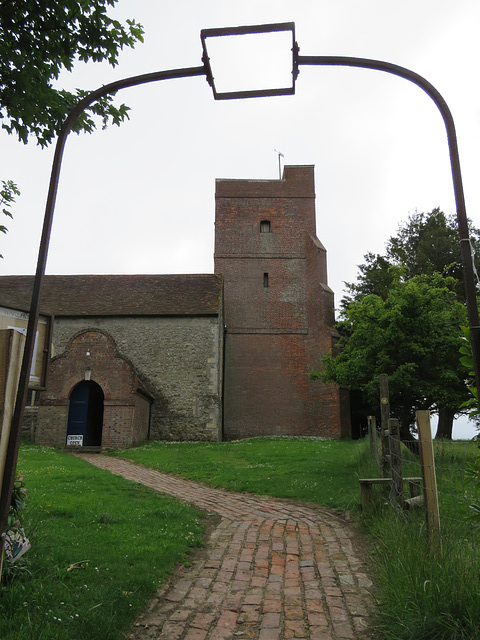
(85,415)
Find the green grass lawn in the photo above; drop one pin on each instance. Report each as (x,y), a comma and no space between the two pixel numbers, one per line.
(101,546)
(424,593)
(322,471)
(431,592)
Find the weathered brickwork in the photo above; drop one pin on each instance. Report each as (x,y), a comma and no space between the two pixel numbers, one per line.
(278,308)
(269,392)
(92,355)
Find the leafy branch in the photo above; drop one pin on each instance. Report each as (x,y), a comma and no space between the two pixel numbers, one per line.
(8,194)
(37,44)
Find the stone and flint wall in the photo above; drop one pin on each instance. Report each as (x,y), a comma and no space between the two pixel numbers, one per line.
(176,361)
(278,309)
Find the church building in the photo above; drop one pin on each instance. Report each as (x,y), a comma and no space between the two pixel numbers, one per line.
(121,359)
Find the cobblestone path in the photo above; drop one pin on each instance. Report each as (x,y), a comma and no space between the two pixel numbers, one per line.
(270,570)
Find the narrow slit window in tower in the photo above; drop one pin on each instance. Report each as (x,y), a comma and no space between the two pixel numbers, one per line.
(265,280)
(265,226)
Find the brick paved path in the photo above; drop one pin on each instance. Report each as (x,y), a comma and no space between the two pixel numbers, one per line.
(270,570)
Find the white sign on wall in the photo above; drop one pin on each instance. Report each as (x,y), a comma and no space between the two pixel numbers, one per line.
(74,441)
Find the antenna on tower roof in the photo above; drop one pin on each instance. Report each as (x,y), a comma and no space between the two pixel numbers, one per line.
(280,155)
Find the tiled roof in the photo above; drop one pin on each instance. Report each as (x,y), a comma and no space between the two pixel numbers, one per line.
(117,295)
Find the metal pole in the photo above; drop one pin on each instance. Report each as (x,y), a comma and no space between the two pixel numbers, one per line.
(469,276)
(17,420)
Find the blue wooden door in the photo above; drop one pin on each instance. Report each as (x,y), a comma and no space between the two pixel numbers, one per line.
(78,414)
(85,415)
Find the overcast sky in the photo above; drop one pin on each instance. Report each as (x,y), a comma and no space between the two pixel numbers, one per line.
(140,198)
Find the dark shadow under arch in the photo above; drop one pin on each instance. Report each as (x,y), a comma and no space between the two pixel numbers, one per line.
(85,414)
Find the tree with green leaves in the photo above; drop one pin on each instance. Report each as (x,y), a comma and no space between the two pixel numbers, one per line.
(8,193)
(413,334)
(427,243)
(39,40)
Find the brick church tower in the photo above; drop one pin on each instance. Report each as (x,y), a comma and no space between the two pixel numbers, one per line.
(279,310)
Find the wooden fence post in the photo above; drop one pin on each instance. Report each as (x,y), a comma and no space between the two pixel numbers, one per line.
(372,432)
(396,460)
(427,459)
(11,352)
(385,415)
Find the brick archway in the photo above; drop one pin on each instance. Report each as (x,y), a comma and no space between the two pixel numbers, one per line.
(92,356)
(85,415)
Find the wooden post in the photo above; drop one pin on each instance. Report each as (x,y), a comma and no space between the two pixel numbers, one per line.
(366,498)
(428,475)
(385,415)
(372,432)
(11,351)
(396,460)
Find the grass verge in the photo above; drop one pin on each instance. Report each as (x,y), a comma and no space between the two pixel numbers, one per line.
(122,539)
(425,593)
(322,471)
(430,591)
(101,546)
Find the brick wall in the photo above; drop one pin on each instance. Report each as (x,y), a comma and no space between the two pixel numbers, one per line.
(278,308)
(90,355)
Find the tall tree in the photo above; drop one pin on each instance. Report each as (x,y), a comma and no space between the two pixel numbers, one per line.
(414,336)
(427,243)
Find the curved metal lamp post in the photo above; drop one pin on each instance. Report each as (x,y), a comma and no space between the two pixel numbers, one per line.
(205,70)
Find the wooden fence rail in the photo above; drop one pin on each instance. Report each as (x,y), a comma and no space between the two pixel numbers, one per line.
(392,460)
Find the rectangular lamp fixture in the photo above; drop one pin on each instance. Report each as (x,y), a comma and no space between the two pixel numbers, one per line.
(254,62)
